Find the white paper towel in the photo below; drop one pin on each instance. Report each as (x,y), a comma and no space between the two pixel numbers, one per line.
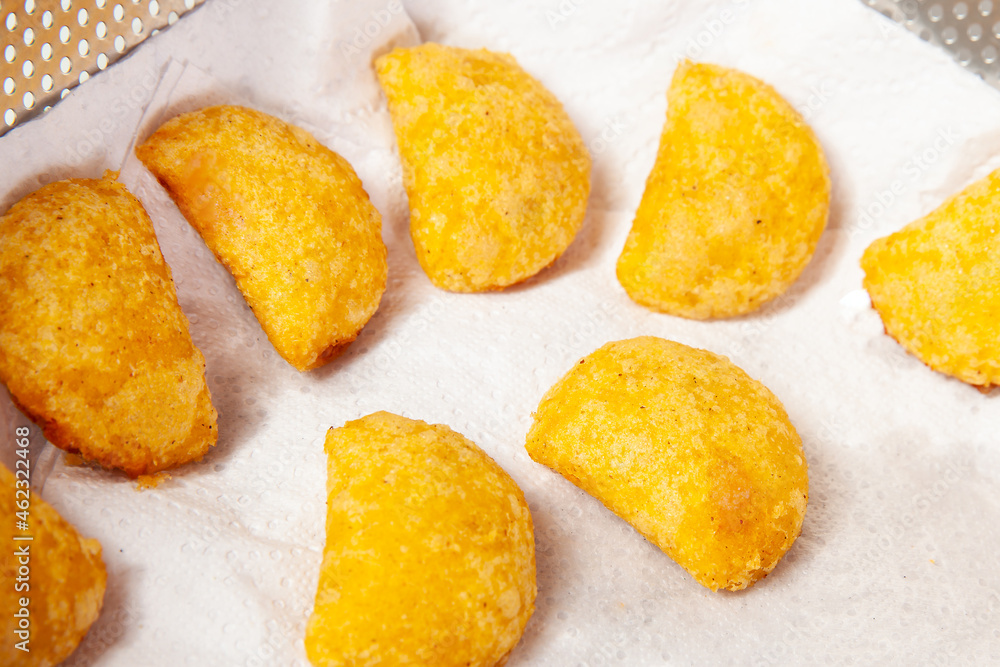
(898,560)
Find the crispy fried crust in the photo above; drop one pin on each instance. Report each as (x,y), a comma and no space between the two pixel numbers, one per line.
(93,345)
(430,554)
(66,579)
(496,173)
(697,456)
(936,284)
(287,216)
(736,202)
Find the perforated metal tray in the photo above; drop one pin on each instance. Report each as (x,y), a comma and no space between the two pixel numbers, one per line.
(50,46)
(969,31)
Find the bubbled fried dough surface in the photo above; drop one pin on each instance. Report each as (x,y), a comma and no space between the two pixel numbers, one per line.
(287,216)
(736,201)
(429,557)
(93,345)
(936,284)
(66,578)
(496,173)
(697,456)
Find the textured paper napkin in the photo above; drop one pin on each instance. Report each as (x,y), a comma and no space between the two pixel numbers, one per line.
(898,560)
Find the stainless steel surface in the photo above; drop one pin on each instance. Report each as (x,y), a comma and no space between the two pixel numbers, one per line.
(969,31)
(50,46)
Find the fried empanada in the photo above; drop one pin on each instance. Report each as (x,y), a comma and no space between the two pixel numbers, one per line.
(93,345)
(430,554)
(736,202)
(53,583)
(936,284)
(287,216)
(496,173)
(697,456)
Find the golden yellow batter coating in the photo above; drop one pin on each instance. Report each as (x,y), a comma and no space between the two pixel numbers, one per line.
(63,582)
(287,216)
(93,345)
(697,456)
(936,284)
(735,204)
(430,554)
(496,173)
